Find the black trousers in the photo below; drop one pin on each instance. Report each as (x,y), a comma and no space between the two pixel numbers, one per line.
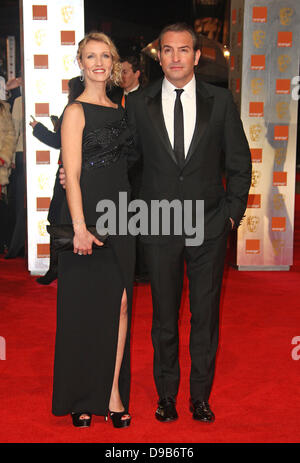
(205,265)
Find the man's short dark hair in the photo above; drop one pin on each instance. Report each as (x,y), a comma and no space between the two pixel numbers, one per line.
(136,66)
(134,61)
(179,27)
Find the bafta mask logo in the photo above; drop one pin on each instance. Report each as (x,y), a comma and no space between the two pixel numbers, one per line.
(252,223)
(42,227)
(282,109)
(68,62)
(259,38)
(257,85)
(43,182)
(278,201)
(285,15)
(255,132)
(40,86)
(278,245)
(256,175)
(67,13)
(39,37)
(280,156)
(283,62)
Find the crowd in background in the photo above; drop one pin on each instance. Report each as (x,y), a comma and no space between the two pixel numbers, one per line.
(12,177)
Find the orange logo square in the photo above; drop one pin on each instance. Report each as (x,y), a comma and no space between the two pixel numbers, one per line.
(239,38)
(281,132)
(254,201)
(64,86)
(256,154)
(256,109)
(283,86)
(279,178)
(279,224)
(42,109)
(259,14)
(233,16)
(258,62)
(67,37)
(43,250)
(285,39)
(43,157)
(39,12)
(40,61)
(252,246)
(42,204)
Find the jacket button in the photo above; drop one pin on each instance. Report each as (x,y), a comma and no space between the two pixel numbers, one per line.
(181,178)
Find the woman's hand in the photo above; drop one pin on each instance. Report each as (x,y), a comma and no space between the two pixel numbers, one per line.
(83,241)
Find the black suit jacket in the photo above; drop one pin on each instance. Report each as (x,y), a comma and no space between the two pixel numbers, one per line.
(218,143)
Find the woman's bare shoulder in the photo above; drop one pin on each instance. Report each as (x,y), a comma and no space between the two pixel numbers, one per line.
(74,112)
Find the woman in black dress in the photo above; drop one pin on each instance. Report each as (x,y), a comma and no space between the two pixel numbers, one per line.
(91,368)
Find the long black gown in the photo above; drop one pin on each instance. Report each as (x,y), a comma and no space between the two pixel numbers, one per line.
(90,287)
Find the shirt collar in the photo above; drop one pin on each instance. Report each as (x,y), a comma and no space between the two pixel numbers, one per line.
(132,90)
(189,88)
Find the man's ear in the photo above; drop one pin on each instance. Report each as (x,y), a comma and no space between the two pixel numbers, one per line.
(197,57)
(158,54)
(138,73)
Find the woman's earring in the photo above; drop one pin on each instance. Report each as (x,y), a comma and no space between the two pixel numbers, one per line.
(81,75)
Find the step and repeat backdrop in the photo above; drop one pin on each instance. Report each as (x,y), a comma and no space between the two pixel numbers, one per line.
(51,31)
(264,70)
(264,65)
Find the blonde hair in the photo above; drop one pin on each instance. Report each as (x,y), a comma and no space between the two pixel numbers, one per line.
(115,77)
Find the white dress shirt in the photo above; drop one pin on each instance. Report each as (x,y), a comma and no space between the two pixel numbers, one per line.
(132,90)
(188,100)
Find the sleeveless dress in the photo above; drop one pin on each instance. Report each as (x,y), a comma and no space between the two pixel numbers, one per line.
(90,288)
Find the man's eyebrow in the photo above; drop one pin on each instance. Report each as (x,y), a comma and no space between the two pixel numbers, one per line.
(169,46)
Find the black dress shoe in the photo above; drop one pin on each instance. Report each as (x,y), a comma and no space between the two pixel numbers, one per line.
(47,278)
(201,411)
(166,410)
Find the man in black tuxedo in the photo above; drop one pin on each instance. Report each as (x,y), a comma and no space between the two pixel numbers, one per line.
(188,131)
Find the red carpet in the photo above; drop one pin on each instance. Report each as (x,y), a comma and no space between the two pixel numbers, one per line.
(256,389)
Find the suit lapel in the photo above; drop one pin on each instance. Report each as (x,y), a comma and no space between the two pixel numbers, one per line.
(204,104)
(154,105)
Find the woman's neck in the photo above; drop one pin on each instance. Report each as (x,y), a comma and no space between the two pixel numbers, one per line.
(95,93)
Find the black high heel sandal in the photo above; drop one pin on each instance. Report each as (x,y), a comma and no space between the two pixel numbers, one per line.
(81,422)
(116,418)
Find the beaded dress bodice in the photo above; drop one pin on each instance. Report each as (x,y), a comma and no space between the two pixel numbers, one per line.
(106,144)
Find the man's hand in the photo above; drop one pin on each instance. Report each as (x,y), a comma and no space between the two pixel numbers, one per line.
(33,122)
(62,177)
(232,223)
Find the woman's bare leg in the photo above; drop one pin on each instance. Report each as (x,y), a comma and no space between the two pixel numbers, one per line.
(115,403)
